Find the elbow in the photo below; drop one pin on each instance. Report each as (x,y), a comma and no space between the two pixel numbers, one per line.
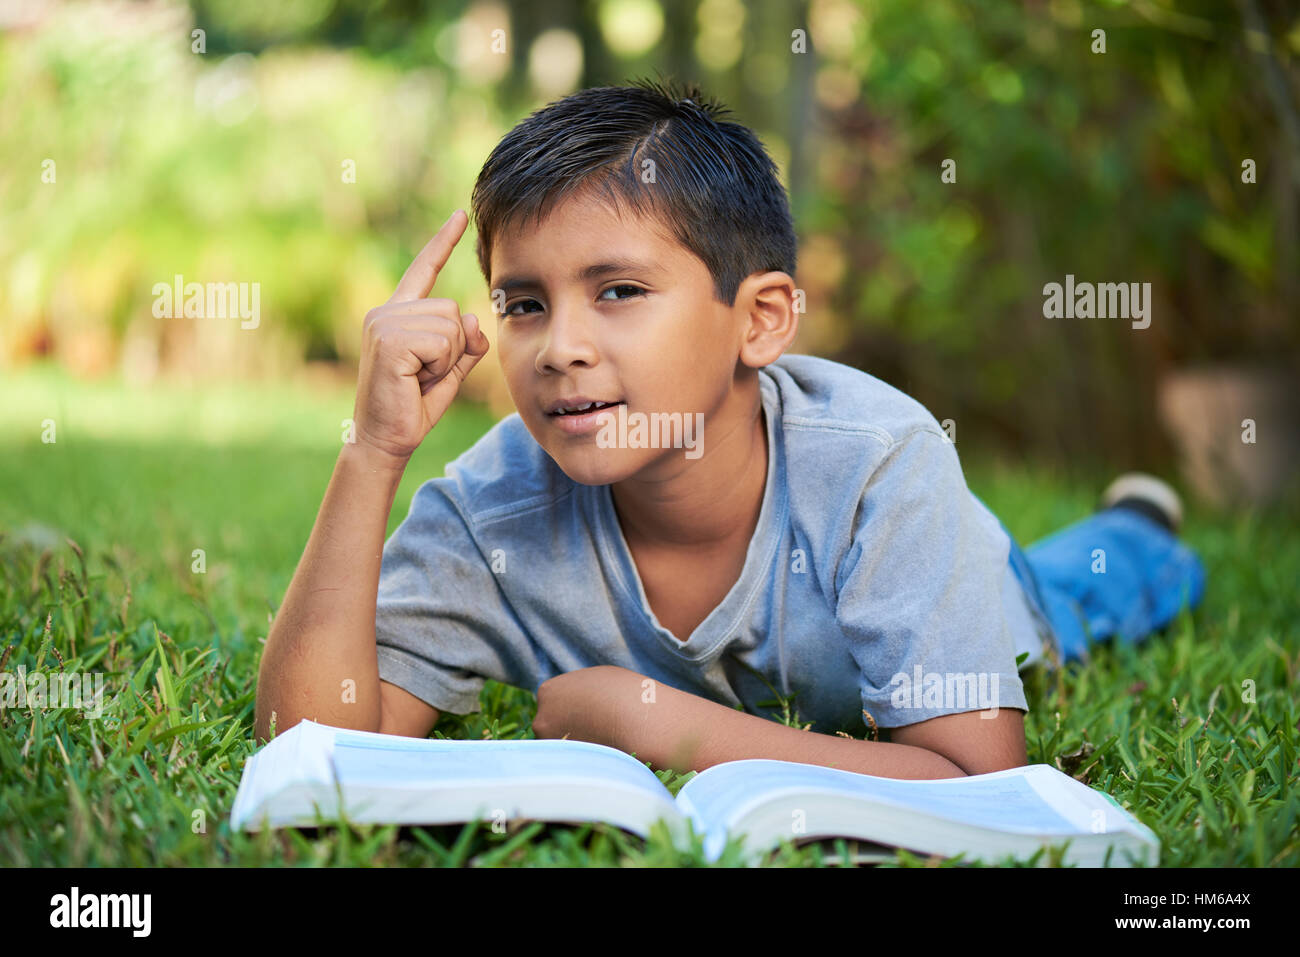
(547,721)
(263,718)
(272,716)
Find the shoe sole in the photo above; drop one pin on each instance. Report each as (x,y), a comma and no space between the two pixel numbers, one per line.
(1140,485)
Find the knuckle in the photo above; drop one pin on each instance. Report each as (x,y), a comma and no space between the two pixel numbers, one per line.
(448,328)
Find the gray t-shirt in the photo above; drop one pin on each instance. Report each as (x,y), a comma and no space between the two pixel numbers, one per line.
(874,578)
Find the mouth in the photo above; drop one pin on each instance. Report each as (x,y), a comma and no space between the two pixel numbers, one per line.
(584,417)
(579,409)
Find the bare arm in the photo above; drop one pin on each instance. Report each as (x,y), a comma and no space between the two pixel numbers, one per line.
(608,705)
(320,660)
(978,742)
(324,633)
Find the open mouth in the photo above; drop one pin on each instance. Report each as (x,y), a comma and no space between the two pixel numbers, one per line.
(586,409)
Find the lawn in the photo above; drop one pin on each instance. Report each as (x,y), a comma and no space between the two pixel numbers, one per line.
(153,539)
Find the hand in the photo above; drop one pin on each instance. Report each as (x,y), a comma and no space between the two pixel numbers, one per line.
(415,353)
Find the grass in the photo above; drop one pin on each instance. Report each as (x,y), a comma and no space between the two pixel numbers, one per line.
(1194,731)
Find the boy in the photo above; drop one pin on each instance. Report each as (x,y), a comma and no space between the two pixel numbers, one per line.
(794,526)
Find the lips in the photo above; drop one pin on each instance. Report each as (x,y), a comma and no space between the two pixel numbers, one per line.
(584,408)
(591,417)
(579,405)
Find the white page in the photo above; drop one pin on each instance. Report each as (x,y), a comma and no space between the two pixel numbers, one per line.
(1089,809)
(311,753)
(406,762)
(1003,800)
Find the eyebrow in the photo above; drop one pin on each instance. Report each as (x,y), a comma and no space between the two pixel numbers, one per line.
(584,274)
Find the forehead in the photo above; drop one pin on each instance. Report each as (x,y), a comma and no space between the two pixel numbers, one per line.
(578,232)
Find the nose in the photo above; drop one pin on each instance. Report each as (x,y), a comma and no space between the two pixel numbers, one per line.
(567,340)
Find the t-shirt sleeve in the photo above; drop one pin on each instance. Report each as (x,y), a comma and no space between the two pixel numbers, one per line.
(442,622)
(920,591)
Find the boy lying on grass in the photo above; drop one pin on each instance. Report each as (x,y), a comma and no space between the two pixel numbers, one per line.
(681,518)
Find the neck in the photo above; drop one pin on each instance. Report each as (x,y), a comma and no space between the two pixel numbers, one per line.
(682,506)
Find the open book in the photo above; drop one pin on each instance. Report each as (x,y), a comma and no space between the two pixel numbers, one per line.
(306,775)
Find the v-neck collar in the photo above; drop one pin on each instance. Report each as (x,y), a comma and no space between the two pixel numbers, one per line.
(721,622)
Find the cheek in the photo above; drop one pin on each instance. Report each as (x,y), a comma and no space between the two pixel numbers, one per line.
(513,354)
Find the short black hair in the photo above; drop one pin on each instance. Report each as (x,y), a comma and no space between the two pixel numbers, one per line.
(714,188)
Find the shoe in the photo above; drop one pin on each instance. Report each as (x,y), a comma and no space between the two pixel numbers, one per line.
(1146,494)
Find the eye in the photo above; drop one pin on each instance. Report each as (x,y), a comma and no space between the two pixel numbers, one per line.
(510,308)
(635,290)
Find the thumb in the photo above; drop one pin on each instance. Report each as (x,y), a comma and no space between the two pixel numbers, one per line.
(476,346)
(479,344)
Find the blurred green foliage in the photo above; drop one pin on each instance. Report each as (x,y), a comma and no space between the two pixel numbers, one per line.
(312,146)
(1117,166)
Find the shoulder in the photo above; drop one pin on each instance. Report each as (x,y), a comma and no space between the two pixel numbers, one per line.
(503,475)
(822,399)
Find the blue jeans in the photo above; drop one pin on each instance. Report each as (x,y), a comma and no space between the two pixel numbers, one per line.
(1114,573)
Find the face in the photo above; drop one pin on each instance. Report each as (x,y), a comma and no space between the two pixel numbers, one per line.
(598,307)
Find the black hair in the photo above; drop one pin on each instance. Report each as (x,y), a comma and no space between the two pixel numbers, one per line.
(714,186)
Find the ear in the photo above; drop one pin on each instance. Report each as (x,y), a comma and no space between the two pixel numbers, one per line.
(765,308)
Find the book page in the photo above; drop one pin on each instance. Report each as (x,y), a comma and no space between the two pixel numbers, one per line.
(1088,808)
(393,779)
(300,754)
(1004,801)
(387,760)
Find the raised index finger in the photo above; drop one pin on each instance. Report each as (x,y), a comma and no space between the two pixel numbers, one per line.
(419,277)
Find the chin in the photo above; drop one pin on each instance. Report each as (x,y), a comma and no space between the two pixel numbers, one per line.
(592,468)
(595,466)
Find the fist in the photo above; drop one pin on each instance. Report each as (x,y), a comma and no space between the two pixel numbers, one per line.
(415,353)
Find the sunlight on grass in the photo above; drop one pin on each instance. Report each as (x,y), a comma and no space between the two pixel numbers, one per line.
(305,414)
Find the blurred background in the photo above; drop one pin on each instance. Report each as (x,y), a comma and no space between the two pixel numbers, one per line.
(312,146)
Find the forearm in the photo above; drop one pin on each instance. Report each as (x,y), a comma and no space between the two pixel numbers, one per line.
(324,631)
(712,734)
(673,729)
